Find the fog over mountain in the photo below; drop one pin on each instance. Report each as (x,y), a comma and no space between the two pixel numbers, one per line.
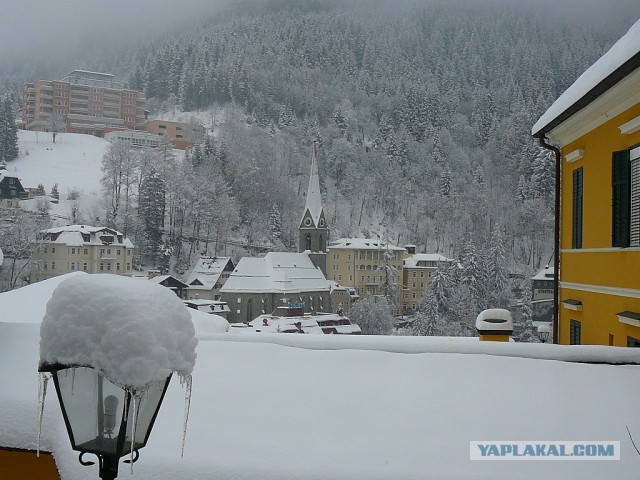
(422,110)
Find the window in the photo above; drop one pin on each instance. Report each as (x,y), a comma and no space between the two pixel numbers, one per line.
(117,266)
(109,266)
(128,266)
(53,249)
(578,187)
(53,265)
(307,241)
(73,266)
(633,342)
(575,332)
(86,251)
(102,266)
(626,198)
(84,266)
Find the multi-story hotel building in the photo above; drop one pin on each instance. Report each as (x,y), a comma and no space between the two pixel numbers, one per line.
(82,102)
(417,271)
(367,265)
(81,248)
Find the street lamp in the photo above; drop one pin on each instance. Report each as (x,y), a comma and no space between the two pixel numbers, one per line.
(102,418)
(544,331)
(110,344)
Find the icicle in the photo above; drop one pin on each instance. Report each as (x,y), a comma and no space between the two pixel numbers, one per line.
(186,382)
(136,404)
(42,393)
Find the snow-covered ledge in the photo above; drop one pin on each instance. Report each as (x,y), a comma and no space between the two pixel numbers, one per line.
(630,127)
(575,155)
(630,318)
(572,304)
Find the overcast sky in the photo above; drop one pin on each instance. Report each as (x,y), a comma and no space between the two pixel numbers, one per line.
(51,28)
(33,27)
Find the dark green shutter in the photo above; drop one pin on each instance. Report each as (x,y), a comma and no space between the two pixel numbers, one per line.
(621,193)
(578,188)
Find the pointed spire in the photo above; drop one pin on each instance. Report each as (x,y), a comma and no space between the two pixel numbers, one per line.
(314,198)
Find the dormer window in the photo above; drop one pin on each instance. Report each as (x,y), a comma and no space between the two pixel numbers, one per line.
(108,239)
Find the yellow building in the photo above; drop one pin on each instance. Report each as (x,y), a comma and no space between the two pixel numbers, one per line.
(81,248)
(367,265)
(418,269)
(594,127)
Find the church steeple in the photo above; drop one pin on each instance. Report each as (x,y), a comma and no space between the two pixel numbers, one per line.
(313,229)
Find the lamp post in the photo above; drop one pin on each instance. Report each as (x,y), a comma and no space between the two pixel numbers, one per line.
(102,418)
(544,331)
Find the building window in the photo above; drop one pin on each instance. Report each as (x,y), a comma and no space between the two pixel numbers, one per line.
(633,342)
(128,266)
(626,198)
(53,249)
(101,266)
(578,188)
(109,266)
(117,266)
(84,266)
(73,266)
(575,328)
(53,265)
(86,251)
(307,242)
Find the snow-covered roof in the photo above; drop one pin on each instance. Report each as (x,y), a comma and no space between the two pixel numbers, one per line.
(72,236)
(545,274)
(623,51)
(276,272)
(363,244)
(206,272)
(361,373)
(413,260)
(313,202)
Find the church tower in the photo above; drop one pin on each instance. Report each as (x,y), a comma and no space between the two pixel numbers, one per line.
(313,232)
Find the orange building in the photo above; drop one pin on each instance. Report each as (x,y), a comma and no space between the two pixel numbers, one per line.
(183,135)
(82,102)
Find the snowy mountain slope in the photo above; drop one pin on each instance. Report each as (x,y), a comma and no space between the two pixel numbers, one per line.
(73,162)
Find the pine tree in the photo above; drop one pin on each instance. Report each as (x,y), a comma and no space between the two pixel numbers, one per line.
(275,223)
(152,209)
(8,130)
(497,271)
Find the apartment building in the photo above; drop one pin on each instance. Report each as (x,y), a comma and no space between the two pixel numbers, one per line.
(367,265)
(82,102)
(594,130)
(81,248)
(182,135)
(418,269)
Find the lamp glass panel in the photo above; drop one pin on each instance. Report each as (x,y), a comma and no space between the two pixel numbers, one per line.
(93,408)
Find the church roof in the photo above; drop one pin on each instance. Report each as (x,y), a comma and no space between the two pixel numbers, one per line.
(277,272)
(314,198)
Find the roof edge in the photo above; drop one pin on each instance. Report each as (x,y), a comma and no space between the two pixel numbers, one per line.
(607,83)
